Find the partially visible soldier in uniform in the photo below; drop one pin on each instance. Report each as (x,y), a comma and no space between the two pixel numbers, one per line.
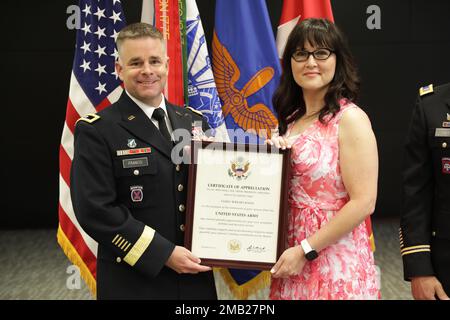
(425,220)
(127,193)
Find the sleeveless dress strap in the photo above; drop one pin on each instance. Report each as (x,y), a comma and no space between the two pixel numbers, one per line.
(345,105)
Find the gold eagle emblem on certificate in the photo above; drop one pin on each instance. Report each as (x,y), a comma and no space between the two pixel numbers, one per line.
(239,169)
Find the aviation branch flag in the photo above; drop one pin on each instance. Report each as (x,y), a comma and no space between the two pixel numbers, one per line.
(246,67)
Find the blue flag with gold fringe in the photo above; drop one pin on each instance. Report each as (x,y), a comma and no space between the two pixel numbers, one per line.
(246,71)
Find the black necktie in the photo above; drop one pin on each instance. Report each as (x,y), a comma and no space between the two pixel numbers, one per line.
(158,115)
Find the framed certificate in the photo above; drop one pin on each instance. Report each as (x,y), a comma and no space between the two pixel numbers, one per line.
(237,204)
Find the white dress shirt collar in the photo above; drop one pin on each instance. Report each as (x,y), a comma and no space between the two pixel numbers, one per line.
(148,110)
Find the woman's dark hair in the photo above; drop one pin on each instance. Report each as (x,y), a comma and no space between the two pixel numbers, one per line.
(288,98)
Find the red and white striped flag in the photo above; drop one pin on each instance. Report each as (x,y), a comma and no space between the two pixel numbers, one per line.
(94,85)
(296,10)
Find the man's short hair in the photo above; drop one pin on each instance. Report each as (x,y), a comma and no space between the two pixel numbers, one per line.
(136,31)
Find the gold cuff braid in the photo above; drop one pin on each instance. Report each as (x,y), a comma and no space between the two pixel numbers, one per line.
(140,246)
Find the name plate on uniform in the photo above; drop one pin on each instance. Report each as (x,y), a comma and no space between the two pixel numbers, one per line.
(442,132)
(237,204)
(135,162)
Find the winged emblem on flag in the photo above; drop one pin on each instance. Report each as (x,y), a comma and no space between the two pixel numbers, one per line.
(226,73)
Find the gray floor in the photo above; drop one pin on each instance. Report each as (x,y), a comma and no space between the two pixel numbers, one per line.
(32,266)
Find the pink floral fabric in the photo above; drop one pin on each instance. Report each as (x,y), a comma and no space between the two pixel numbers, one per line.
(346,269)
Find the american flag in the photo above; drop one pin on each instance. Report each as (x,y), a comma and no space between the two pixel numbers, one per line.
(94,85)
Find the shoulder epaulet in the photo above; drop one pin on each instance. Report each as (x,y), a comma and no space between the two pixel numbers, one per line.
(195,111)
(426,90)
(89,118)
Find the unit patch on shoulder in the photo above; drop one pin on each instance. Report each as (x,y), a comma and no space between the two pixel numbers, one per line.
(195,111)
(89,118)
(426,90)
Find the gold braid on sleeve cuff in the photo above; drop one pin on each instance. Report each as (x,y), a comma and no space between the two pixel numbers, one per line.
(415,249)
(140,246)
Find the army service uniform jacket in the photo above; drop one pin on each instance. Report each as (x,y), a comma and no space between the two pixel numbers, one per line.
(130,197)
(425,220)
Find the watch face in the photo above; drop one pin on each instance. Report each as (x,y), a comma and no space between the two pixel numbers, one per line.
(311,255)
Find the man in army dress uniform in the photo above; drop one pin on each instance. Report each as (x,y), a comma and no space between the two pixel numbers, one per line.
(127,193)
(425,221)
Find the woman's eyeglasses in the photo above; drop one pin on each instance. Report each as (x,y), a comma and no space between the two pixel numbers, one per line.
(319,54)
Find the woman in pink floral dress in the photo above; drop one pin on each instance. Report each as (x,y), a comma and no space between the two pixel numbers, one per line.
(334,165)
